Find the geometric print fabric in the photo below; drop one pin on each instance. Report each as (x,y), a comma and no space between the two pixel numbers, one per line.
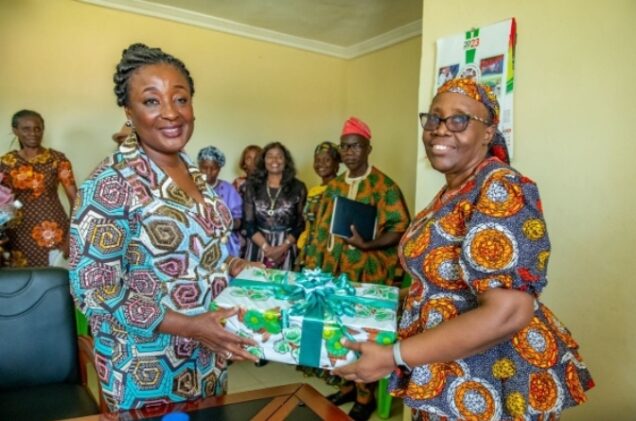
(140,246)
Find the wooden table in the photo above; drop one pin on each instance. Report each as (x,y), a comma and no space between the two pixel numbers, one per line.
(296,401)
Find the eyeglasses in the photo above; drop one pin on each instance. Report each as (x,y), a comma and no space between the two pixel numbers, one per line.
(454,123)
(355,147)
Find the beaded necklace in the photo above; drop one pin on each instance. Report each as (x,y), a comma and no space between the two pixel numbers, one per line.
(272,200)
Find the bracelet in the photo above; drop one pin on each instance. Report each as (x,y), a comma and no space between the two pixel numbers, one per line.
(230,262)
(397,356)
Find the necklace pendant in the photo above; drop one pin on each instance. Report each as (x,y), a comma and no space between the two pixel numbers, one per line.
(270,212)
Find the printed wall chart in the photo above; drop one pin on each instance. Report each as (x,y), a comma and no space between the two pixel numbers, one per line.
(487,54)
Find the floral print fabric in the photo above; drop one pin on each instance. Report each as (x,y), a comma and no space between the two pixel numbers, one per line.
(141,246)
(490,233)
(42,223)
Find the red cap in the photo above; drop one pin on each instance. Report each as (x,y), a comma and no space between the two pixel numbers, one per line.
(356,126)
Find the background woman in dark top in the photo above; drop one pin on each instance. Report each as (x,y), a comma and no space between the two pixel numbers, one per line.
(273,209)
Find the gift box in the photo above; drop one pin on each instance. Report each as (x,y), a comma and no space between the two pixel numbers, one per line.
(300,318)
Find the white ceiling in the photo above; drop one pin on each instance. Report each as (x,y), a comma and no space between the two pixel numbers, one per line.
(343,28)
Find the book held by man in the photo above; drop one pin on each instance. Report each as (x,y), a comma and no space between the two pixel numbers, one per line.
(347,212)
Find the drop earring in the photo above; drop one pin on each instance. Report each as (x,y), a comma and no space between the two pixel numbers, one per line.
(128,123)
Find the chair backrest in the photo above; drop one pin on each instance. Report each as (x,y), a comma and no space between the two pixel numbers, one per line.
(38,339)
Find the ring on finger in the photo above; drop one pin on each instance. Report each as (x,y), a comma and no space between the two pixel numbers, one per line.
(228,355)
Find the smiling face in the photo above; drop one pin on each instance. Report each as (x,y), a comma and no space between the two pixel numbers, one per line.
(275,161)
(160,108)
(456,155)
(325,165)
(210,169)
(29,131)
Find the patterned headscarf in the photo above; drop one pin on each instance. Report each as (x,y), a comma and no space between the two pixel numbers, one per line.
(212,153)
(481,93)
(329,147)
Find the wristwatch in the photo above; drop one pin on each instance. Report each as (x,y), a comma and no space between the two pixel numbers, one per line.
(397,357)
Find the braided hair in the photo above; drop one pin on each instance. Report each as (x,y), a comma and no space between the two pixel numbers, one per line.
(139,55)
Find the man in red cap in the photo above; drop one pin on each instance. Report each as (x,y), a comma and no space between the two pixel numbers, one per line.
(373,261)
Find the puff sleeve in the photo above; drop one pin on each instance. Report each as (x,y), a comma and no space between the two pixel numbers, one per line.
(506,243)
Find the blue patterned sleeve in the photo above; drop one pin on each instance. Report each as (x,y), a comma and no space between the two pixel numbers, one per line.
(506,243)
(102,227)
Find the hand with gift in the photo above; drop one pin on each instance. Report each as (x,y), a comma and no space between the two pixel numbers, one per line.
(236,265)
(208,328)
(375,362)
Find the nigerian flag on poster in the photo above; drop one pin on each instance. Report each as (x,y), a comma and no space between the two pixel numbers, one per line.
(486,53)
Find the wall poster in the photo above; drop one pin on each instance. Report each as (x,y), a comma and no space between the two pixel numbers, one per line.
(487,54)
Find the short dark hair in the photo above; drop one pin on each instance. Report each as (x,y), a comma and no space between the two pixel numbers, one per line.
(24,113)
(139,55)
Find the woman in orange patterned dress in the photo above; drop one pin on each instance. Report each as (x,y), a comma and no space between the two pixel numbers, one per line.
(475,343)
(34,174)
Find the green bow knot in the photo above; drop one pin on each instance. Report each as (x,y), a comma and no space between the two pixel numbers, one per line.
(316,296)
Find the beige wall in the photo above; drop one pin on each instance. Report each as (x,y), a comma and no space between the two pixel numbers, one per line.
(59,58)
(382,90)
(574,108)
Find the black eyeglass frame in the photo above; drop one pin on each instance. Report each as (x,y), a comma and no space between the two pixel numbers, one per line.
(426,118)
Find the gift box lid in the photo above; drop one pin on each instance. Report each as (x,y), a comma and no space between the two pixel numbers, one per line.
(361,306)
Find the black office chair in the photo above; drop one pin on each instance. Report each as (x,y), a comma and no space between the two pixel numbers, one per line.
(42,360)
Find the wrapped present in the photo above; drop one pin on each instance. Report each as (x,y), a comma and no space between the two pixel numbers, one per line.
(301,317)
(8,205)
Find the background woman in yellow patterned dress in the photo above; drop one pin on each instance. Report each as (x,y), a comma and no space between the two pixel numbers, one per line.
(475,341)
(326,166)
(34,173)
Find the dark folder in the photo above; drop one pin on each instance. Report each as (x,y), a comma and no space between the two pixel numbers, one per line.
(347,212)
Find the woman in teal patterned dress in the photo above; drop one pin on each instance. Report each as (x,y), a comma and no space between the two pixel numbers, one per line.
(148,249)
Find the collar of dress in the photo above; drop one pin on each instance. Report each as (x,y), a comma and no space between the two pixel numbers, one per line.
(351,180)
(150,172)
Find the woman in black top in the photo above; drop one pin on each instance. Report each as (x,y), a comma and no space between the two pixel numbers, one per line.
(273,209)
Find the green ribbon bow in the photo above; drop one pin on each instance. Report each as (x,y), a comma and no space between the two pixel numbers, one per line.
(316,295)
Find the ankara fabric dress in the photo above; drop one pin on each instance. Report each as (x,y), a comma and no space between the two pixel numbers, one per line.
(141,246)
(309,213)
(333,255)
(42,223)
(490,233)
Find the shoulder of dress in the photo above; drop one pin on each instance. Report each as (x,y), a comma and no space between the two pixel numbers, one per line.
(497,170)
(387,180)
(317,190)
(335,183)
(9,156)
(106,168)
